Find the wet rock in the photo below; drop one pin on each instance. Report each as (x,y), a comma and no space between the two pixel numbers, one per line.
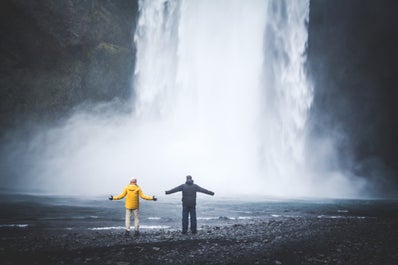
(122,263)
(309,242)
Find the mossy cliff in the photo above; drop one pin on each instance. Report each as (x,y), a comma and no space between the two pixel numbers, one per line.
(56,55)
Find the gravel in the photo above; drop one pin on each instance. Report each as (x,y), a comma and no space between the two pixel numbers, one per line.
(281,241)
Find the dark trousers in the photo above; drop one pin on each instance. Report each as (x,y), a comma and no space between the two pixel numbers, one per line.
(188,211)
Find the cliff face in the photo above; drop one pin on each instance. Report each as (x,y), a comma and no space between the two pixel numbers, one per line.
(352,55)
(58,54)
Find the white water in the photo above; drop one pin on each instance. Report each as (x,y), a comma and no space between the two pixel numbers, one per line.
(220,94)
(222,84)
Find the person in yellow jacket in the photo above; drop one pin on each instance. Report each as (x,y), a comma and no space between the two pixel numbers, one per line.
(132,192)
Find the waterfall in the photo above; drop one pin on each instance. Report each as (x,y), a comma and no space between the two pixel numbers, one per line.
(220,93)
(223,84)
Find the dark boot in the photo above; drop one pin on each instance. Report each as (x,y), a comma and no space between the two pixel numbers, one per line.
(127,233)
(136,233)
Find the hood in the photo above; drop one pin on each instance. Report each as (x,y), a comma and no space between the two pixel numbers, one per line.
(189,182)
(132,187)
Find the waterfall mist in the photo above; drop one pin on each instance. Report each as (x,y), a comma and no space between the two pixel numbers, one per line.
(220,93)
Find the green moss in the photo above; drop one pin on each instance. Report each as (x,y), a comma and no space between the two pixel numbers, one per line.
(99,13)
(109,49)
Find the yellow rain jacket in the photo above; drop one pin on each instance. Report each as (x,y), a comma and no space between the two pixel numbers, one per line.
(132,201)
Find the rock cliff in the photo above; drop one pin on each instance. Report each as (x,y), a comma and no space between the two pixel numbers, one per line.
(56,55)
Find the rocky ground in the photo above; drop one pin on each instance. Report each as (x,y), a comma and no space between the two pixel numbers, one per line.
(287,241)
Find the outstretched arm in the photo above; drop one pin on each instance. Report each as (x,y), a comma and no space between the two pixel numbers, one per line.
(146,197)
(120,196)
(200,189)
(176,189)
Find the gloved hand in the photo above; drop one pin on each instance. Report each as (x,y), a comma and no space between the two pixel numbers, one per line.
(110,198)
(154,198)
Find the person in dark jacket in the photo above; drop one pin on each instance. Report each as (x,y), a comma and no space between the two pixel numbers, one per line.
(189,202)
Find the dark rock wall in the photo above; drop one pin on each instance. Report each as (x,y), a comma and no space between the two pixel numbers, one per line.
(352,56)
(56,55)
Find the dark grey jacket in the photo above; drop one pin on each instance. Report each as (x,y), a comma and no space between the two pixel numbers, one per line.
(189,192)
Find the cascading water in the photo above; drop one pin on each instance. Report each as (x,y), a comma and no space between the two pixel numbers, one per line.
(223,84)
(220,94)
(198,79)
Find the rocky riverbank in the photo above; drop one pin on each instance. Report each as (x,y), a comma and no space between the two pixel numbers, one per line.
(284,241)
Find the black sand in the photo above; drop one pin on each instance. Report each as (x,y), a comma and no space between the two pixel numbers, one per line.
(287,241)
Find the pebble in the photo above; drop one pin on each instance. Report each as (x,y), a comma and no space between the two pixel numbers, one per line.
(122,263)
